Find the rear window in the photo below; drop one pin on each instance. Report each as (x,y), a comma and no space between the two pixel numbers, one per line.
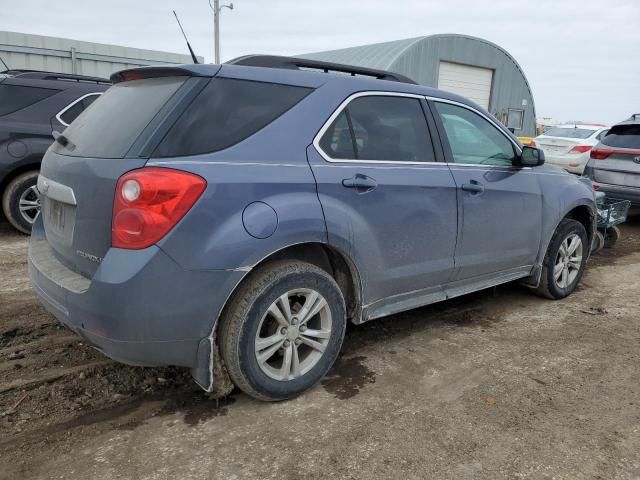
(623,136)
(226,112)
(109,128)
(569,132)
(15,97)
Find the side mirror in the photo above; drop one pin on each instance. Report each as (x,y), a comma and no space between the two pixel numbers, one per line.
(531,157)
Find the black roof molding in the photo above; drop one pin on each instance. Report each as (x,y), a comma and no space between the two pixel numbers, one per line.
(294,63)
(68,77)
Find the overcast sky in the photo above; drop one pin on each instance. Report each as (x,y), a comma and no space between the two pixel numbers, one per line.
(582,57)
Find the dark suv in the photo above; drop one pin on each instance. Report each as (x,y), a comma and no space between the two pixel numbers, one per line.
(232,218)
(32,106)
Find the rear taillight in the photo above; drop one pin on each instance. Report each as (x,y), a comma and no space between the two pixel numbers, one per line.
(149,202)
(580,149)
(600,153)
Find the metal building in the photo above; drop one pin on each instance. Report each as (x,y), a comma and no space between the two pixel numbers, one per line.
(469,66)
(62,55)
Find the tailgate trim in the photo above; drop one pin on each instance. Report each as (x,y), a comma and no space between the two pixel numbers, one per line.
(50,267)
(56,191)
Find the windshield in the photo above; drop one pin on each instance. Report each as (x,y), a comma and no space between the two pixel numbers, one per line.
(116,119)
(569,132)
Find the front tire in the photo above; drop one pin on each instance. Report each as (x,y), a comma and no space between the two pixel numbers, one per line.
(283,330)
(21,201)
(565,260)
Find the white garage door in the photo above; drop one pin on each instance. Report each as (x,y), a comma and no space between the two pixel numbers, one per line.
(473,83)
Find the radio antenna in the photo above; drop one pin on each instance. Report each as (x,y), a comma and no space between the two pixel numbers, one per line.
(193,55)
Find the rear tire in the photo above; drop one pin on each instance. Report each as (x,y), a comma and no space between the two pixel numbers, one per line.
(20,201)
(273,344)
(565,260)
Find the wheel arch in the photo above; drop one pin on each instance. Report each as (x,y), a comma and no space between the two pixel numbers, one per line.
(586,216)
(583,212)
(32,165)
(327,257)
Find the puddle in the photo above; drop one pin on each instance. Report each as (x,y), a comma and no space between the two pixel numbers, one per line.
(348,377)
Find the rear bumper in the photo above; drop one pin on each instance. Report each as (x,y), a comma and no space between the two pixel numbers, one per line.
(140,307)
(621,192)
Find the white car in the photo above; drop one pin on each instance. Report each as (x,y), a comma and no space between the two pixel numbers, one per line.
(569,146)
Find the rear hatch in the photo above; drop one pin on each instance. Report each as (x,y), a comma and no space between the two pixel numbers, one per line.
(560,140)
(616,160)
(80,170)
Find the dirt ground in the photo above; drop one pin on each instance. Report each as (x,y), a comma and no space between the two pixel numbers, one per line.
(498,384)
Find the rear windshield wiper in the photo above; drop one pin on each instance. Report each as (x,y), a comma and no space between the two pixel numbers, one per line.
(62,140)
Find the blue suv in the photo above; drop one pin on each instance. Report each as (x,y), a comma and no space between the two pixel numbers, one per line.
(232,218)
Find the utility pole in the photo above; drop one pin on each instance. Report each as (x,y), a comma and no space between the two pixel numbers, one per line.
(216,27)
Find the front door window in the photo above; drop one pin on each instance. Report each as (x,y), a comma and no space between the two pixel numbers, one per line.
(473,140)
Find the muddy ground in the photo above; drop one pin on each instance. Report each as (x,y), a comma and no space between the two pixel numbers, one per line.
(498,384)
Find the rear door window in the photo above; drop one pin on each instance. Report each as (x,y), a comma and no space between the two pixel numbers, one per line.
(623,136)
(338,142)
(109,128)
(226,112)
(17,97)
(380,128)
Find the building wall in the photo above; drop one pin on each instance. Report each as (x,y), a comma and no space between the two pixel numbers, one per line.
(419,59)
(62,55)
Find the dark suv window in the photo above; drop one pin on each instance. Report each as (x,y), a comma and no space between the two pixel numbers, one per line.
(623,136)
(381,128)
(226,112)
(15,97)
(72,112)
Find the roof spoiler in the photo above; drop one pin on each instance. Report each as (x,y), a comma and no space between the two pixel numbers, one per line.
(150,72)
(295,63)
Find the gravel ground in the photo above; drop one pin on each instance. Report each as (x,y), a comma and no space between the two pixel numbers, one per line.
(498,384)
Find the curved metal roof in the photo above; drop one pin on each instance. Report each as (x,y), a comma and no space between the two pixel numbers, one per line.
(419,59)
(384,55)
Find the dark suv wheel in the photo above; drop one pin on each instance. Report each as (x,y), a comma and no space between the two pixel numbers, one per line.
(21,201)
(283,330)
(565,260)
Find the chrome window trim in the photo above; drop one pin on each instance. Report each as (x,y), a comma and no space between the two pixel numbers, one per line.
(62,112)
(380,93)
(338,111)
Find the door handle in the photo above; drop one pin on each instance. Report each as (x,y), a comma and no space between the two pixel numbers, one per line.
(473,187)
(360,182)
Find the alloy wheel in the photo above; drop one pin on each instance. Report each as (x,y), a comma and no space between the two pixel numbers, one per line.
(293,334)
(29,204)
(568,261)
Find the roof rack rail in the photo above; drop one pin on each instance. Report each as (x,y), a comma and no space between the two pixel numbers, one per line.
(295,63)
(68,77)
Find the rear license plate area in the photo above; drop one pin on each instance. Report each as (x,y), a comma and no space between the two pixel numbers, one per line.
(59,220)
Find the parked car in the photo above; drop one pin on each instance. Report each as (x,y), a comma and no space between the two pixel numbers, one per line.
(568,146)
(232,218)
(614,166)
(32,106)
